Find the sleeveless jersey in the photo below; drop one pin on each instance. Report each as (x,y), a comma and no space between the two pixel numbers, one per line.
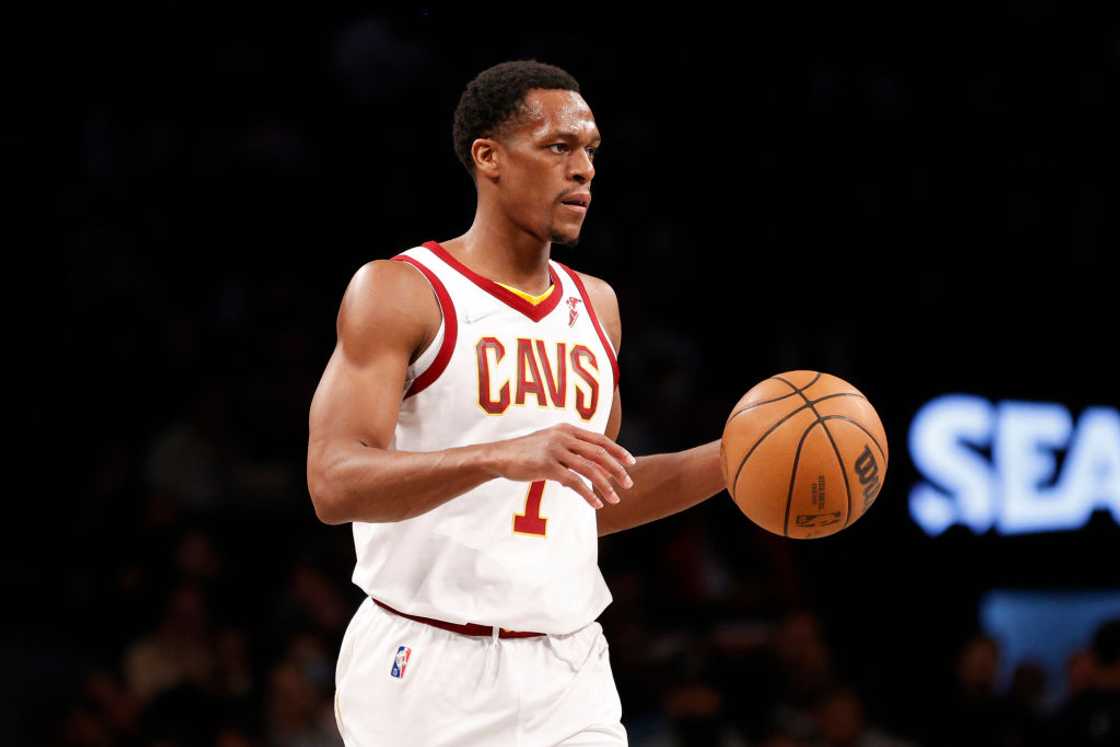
(518,555)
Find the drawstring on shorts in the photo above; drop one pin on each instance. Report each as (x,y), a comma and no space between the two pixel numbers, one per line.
(493,651)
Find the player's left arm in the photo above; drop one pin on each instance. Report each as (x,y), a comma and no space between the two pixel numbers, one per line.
(663,483)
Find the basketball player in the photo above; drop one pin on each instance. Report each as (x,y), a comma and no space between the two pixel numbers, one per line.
(465,426)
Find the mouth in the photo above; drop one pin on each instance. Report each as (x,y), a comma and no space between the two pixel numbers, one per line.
(578,203)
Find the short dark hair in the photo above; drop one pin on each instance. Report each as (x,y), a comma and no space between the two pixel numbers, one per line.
(492,100)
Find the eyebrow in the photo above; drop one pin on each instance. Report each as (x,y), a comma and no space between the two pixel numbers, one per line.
(569,135)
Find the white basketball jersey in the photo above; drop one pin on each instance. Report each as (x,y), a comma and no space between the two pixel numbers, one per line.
(518,555)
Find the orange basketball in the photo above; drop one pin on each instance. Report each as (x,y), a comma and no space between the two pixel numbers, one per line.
(804,454)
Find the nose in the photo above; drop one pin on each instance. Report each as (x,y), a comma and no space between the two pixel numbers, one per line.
(583,170)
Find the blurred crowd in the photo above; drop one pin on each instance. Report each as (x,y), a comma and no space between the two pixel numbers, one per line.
(197,640)
(218,182)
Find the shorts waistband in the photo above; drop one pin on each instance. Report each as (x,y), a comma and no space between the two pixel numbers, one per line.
(465,628)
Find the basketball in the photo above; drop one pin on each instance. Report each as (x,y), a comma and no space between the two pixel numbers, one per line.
(804,454)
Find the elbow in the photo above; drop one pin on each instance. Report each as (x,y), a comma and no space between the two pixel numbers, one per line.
(328,506)
(327,513)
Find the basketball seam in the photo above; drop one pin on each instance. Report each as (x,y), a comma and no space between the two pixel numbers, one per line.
(753,405)
(795,389)
(835,449)
(860,426)
(743,461)
(793,475)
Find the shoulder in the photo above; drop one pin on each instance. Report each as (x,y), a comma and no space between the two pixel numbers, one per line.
(603,298)
(385,277)
(382,285)
(387,299)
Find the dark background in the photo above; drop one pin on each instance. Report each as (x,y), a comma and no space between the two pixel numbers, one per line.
(919,203)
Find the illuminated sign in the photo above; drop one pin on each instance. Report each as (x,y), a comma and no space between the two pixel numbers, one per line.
(1020,487)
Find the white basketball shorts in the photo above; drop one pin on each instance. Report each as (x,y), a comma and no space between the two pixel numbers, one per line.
(404,682)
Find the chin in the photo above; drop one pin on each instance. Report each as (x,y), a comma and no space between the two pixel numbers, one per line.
(565,240)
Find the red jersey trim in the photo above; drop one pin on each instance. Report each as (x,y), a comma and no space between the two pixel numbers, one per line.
(450,330)
(511,299)
(594,319)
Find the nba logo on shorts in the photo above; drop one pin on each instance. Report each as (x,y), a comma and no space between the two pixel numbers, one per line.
(400,661)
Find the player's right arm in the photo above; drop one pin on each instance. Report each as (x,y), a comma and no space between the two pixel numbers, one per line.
(388,315)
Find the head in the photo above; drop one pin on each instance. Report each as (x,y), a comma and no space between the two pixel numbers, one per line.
(185,616)
(1028,684)
(1106,655)
(292,699)
(800,644)
(1079,671)
(528,139)
(977,665)
(840,717)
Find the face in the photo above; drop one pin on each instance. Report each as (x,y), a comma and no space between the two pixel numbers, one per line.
(978,664)
(841,719)
(543,159)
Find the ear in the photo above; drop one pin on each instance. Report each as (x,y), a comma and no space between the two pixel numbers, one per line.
(487,157)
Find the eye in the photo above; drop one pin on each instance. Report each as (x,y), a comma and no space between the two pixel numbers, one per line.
(591,150)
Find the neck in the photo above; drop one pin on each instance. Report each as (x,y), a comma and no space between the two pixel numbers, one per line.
(502,251)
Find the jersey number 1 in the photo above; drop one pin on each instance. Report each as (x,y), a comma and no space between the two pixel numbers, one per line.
(531,522)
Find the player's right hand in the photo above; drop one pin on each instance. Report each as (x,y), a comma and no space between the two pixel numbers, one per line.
(562,453)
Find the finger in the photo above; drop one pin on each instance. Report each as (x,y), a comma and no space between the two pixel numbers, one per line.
(604,459)
(593,472)
(566,477)
(619,453)
(598,494)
